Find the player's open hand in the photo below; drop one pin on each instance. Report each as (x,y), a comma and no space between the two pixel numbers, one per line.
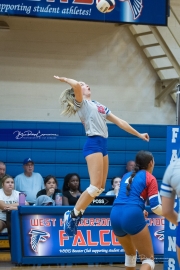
(145,137)
(61,79)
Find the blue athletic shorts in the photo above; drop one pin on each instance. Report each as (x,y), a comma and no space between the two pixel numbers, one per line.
(95,144)
(127,219)
(178,235)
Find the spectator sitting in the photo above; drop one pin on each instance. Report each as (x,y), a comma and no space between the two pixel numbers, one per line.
(9,199)
(29,182)
(2,172)
(71,189)
(50,183)
(43,200)
(115,182)
(130,166)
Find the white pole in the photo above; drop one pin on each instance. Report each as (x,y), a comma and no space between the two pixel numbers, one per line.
(178,105)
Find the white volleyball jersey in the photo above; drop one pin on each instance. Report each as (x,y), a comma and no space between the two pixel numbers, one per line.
(93,116)
(170,186)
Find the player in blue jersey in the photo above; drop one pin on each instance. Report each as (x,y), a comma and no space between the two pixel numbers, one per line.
(93,115)
(127,215)
(170,187)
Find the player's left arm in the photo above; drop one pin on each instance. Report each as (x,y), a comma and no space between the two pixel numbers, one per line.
(125,126)
(152,185)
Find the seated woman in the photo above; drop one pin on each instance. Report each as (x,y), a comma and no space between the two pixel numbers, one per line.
(9,199)
(50,183)
(71,189)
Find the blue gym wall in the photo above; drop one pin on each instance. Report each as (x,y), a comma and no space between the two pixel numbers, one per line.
(62,156)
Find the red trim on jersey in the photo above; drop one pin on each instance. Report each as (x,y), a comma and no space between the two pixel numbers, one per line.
(151,186)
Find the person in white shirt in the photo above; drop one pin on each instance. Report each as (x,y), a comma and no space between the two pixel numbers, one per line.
(9,199)
(115,182)
(170,187)
(29,182)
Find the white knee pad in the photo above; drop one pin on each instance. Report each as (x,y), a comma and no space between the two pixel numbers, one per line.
(93,191)
(130,261)
(150,262)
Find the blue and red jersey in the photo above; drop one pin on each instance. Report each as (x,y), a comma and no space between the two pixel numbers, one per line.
(143,186)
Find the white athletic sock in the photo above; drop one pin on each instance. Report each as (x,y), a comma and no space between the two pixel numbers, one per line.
(82,211)
(76,212)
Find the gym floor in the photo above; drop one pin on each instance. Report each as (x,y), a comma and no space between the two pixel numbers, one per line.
(9,266)
(5,264)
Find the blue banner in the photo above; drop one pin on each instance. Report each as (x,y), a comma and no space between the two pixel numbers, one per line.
(173,144)
(172,153)
(156,229)
(43,235)
(120,11)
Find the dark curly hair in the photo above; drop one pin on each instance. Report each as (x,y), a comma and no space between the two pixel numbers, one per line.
(67,179)
(141,163)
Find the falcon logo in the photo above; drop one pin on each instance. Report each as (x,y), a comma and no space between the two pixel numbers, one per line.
(159,234)
(136,7)
(36,237)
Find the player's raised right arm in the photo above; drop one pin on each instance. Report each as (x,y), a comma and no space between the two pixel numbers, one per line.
(75,85)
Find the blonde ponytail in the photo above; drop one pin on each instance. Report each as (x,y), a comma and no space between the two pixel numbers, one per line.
(67,101)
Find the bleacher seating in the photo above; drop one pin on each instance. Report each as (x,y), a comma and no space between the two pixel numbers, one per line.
(64,154)
(4,246)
